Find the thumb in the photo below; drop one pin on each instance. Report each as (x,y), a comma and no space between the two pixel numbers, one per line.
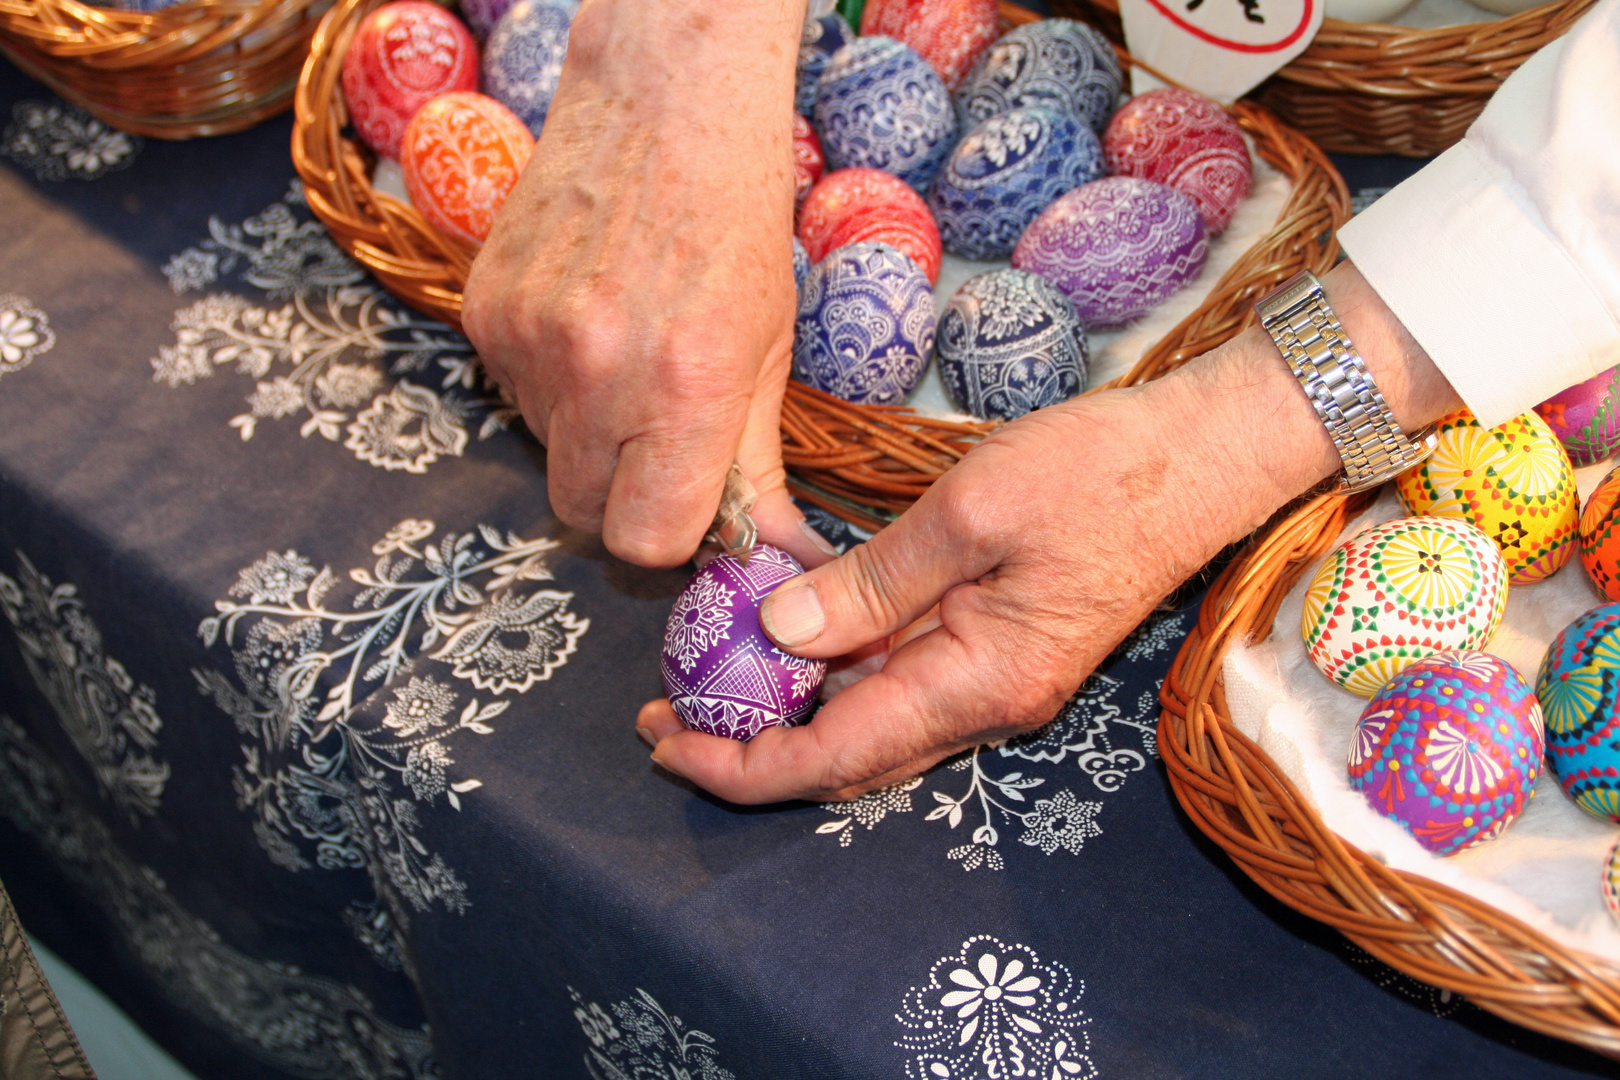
(874,589)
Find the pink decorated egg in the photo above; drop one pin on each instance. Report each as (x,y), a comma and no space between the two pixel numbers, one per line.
(403,55)
(856,206)
(808,160)
(1451,749)
(1187,141)
(462,154)
(722,674)
(950,34)
(1586,418)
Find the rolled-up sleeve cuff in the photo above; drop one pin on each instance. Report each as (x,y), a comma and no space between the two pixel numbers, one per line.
(1495,301)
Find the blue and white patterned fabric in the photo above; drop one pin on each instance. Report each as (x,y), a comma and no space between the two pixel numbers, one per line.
(1055,62)
(523,59)
(823,36)
(866,325)
(881,106)
(1010,343)
(317,748)
(1004,173)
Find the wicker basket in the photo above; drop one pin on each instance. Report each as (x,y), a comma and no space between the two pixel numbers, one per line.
(863,463)
(203,67)
(1371,88)
(1239,798)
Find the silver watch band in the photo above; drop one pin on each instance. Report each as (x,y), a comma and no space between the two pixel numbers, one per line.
(1318,351)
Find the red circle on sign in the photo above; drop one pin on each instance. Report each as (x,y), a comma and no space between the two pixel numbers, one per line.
(1238,46)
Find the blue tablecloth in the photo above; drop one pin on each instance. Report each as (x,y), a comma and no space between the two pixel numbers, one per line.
(316,746)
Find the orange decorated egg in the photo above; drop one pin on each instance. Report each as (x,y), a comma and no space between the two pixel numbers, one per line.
(1600,536)
(1514,481)
(403,55)
(462,154)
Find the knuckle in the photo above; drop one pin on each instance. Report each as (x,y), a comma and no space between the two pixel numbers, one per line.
(873,590)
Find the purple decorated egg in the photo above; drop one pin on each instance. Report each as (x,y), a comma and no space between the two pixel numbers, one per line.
(722,674)
(1586,418)
(1116,247)
(1450,748)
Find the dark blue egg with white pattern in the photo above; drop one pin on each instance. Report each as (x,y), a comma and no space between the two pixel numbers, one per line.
(1004,173)
(801,264)
(865,326)
(1059,63)
(881,106)
(1009,343)
(822,37)
(523,59)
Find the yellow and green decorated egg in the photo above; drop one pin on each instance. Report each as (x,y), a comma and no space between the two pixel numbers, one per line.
(1390,596)
(1514,481)
(1600,536)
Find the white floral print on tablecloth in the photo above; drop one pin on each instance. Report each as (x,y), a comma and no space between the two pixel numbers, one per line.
(57,141)
(330,784)
(638,1040)
(995,1010)
(25,333)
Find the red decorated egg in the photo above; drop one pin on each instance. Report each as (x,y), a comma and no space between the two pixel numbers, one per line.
(949,34)
(1586,418)
(853,206)
(462,154)
(403,55)
(808,160)
(1187,141)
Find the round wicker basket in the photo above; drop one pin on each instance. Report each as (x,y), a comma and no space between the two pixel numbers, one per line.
(1238,797)
(863,463)
(1371,88)
(202,67)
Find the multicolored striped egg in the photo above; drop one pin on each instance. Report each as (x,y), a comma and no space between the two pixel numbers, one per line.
(1514,481)
(1450,748)
(403,55)
(1600,536)
(1392,595)
(462,155)
(1579,687)
(1586,418)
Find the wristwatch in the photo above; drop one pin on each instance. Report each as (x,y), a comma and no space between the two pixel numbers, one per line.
(1339,386)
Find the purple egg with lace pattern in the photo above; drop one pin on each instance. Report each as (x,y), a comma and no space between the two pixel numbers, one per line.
(722,674)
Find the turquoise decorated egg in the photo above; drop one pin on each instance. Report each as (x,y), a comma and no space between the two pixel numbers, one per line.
(1450,748)
(1578,688)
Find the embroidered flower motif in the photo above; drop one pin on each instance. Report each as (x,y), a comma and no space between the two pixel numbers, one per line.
(646,1043)
(181,365)
(869,809)
(56,141)
(1061,822)
(408,428)
(514,641)
(596,1024)
(424,769)
(344,386)
(702,616)
(420,704)
(279,397)
(274,579)
(192,269)
(24,333)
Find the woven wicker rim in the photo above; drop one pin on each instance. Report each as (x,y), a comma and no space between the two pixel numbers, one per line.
(1241,800)
(863,463)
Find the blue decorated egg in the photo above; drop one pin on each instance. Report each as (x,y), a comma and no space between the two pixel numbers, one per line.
(1056,62)
(523,60)
(1116,247)
(801,264)
(1451,748)
(1579,686)
(1010,343)
(1004,173)
(865,326)
(822,37)
(881,106)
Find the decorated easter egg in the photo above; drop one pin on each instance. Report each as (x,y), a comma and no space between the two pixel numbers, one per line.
(1600,539)
(1009,343)
(462,155)
(1396,593)
(854,206)
(1004,173)
(822,37)
(1116,247)
(1586,418)
(722,674)
(865,325)
(523,60)
(402,55)
(949,34)
(801,263)
(1579,687)
(808,160)
(1450,748)
(1057,62)
(880,106)
(1611,881)
(1185,140)
(1514,481)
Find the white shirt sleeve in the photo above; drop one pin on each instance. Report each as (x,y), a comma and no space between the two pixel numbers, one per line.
(1502,255)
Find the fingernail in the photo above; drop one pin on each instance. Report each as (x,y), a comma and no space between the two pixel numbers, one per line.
(647,736)
(793,616)
(822,543)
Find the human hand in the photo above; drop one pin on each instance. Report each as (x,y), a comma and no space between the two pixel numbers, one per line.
(636,294)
